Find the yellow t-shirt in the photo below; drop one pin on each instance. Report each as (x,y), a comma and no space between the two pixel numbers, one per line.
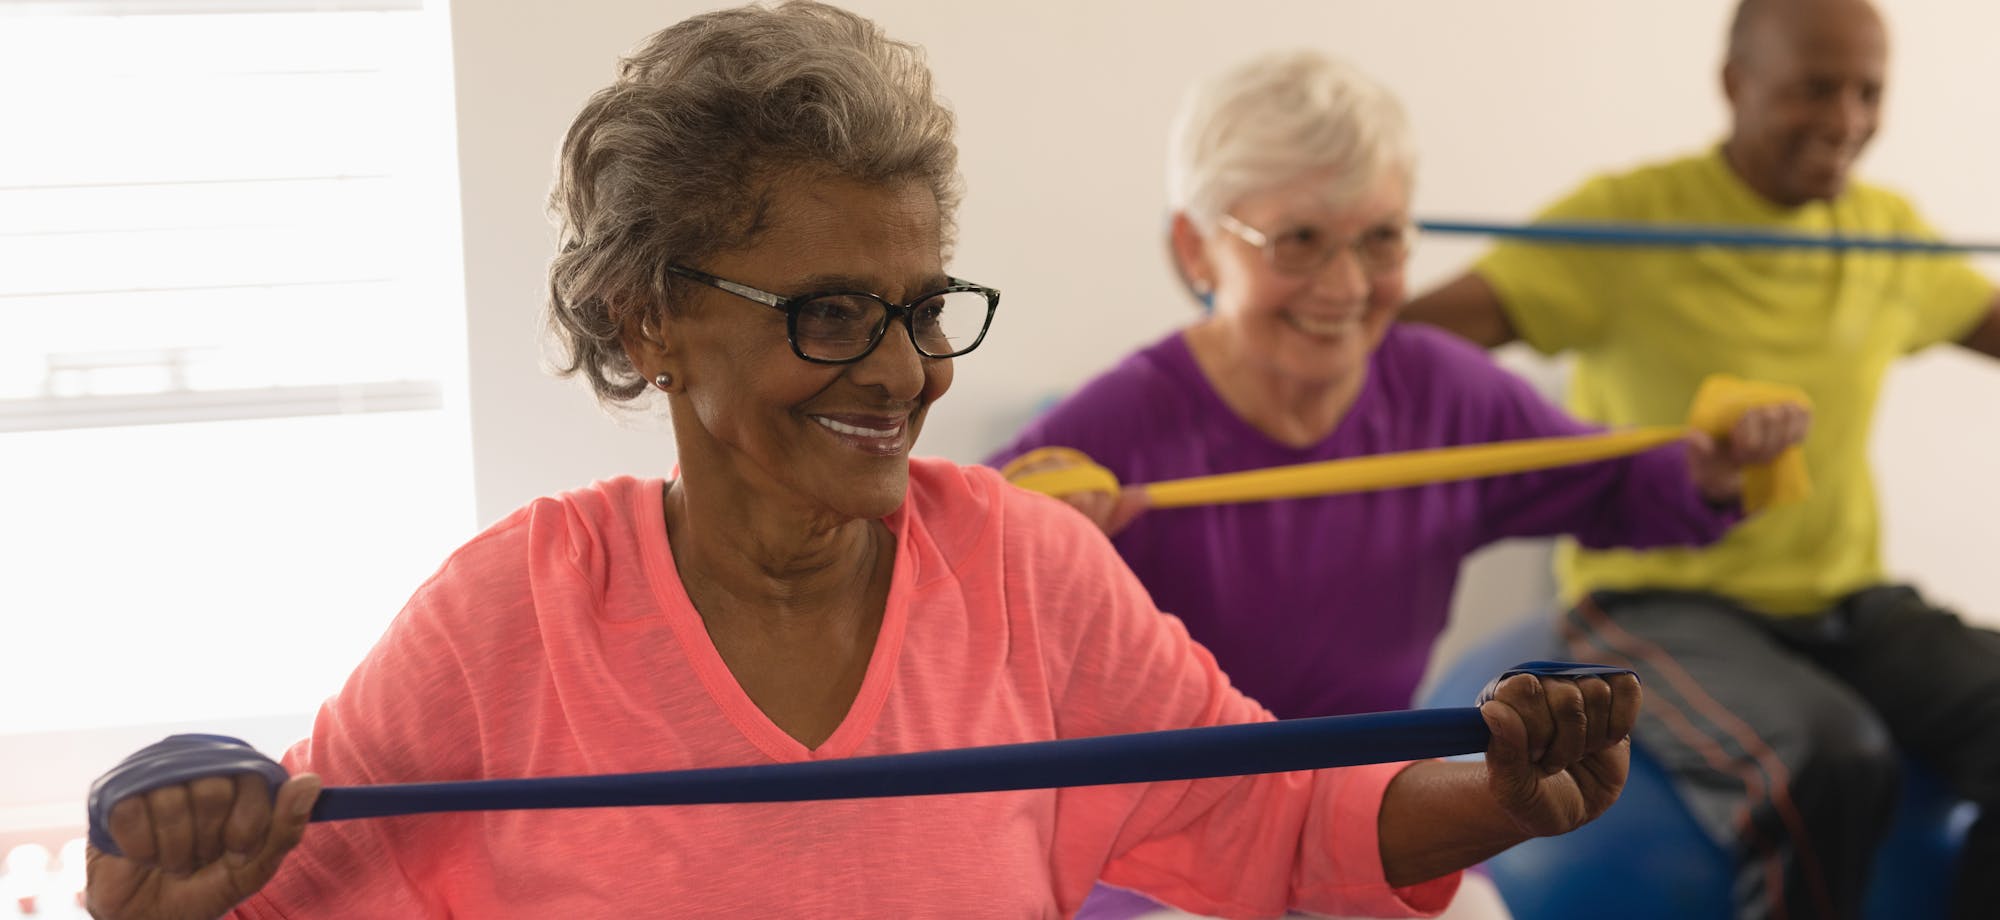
(1647,324)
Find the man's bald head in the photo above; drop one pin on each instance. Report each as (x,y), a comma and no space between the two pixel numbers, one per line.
(1804,80)
(1762,20)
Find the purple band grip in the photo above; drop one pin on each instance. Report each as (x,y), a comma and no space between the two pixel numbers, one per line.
(1564,669)
(174,760)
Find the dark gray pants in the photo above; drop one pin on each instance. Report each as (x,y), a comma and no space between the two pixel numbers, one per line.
(1783,734)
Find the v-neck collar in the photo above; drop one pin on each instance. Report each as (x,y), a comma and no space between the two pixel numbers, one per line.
(1205,391)
(755,726)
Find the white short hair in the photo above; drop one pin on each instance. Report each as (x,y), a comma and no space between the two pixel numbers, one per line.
(1275,118)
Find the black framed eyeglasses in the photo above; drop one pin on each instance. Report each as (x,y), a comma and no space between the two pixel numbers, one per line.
(841,327)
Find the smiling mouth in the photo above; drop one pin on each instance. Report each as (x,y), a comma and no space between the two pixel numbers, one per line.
(1324,328)
(880,437)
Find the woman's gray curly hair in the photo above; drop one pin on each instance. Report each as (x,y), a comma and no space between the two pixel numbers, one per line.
(672,161)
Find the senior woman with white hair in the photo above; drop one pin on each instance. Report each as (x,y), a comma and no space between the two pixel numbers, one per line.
(1290,177)
(754,224)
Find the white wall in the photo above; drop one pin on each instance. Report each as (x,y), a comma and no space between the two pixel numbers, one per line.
(1063,109)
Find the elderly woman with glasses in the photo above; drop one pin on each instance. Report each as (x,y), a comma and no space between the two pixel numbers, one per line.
(755,220)
(1290,180)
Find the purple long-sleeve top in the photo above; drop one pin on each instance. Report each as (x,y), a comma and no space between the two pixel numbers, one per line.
(1330,605)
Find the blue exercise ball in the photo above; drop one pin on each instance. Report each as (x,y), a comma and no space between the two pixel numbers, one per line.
(1646,857)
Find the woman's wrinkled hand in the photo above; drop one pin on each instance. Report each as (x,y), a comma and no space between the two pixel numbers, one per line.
(193,851)
(1757,438)
(1110,511)
(1560,749)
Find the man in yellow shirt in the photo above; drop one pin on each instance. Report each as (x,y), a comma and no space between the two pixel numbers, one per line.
(1779,665)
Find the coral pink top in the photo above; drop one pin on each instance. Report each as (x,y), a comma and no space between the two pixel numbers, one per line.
(561,642)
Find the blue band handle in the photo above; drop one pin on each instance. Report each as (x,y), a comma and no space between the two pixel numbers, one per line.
(1682,235)
(1542,668)
(1179,754)
(178,759)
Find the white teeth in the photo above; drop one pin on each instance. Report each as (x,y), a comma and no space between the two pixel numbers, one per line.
(857,431)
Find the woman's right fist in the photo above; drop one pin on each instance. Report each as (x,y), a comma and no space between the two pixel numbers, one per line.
(192,850)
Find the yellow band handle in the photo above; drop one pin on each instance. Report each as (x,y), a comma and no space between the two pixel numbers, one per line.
(1082,474)
(1721,400)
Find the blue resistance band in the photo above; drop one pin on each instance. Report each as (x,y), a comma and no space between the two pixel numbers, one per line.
(1145,757)
(1679,235)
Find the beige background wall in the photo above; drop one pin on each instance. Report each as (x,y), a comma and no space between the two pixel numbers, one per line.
(1063,109)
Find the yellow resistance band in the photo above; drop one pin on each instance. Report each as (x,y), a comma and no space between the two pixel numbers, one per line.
(1721,400)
